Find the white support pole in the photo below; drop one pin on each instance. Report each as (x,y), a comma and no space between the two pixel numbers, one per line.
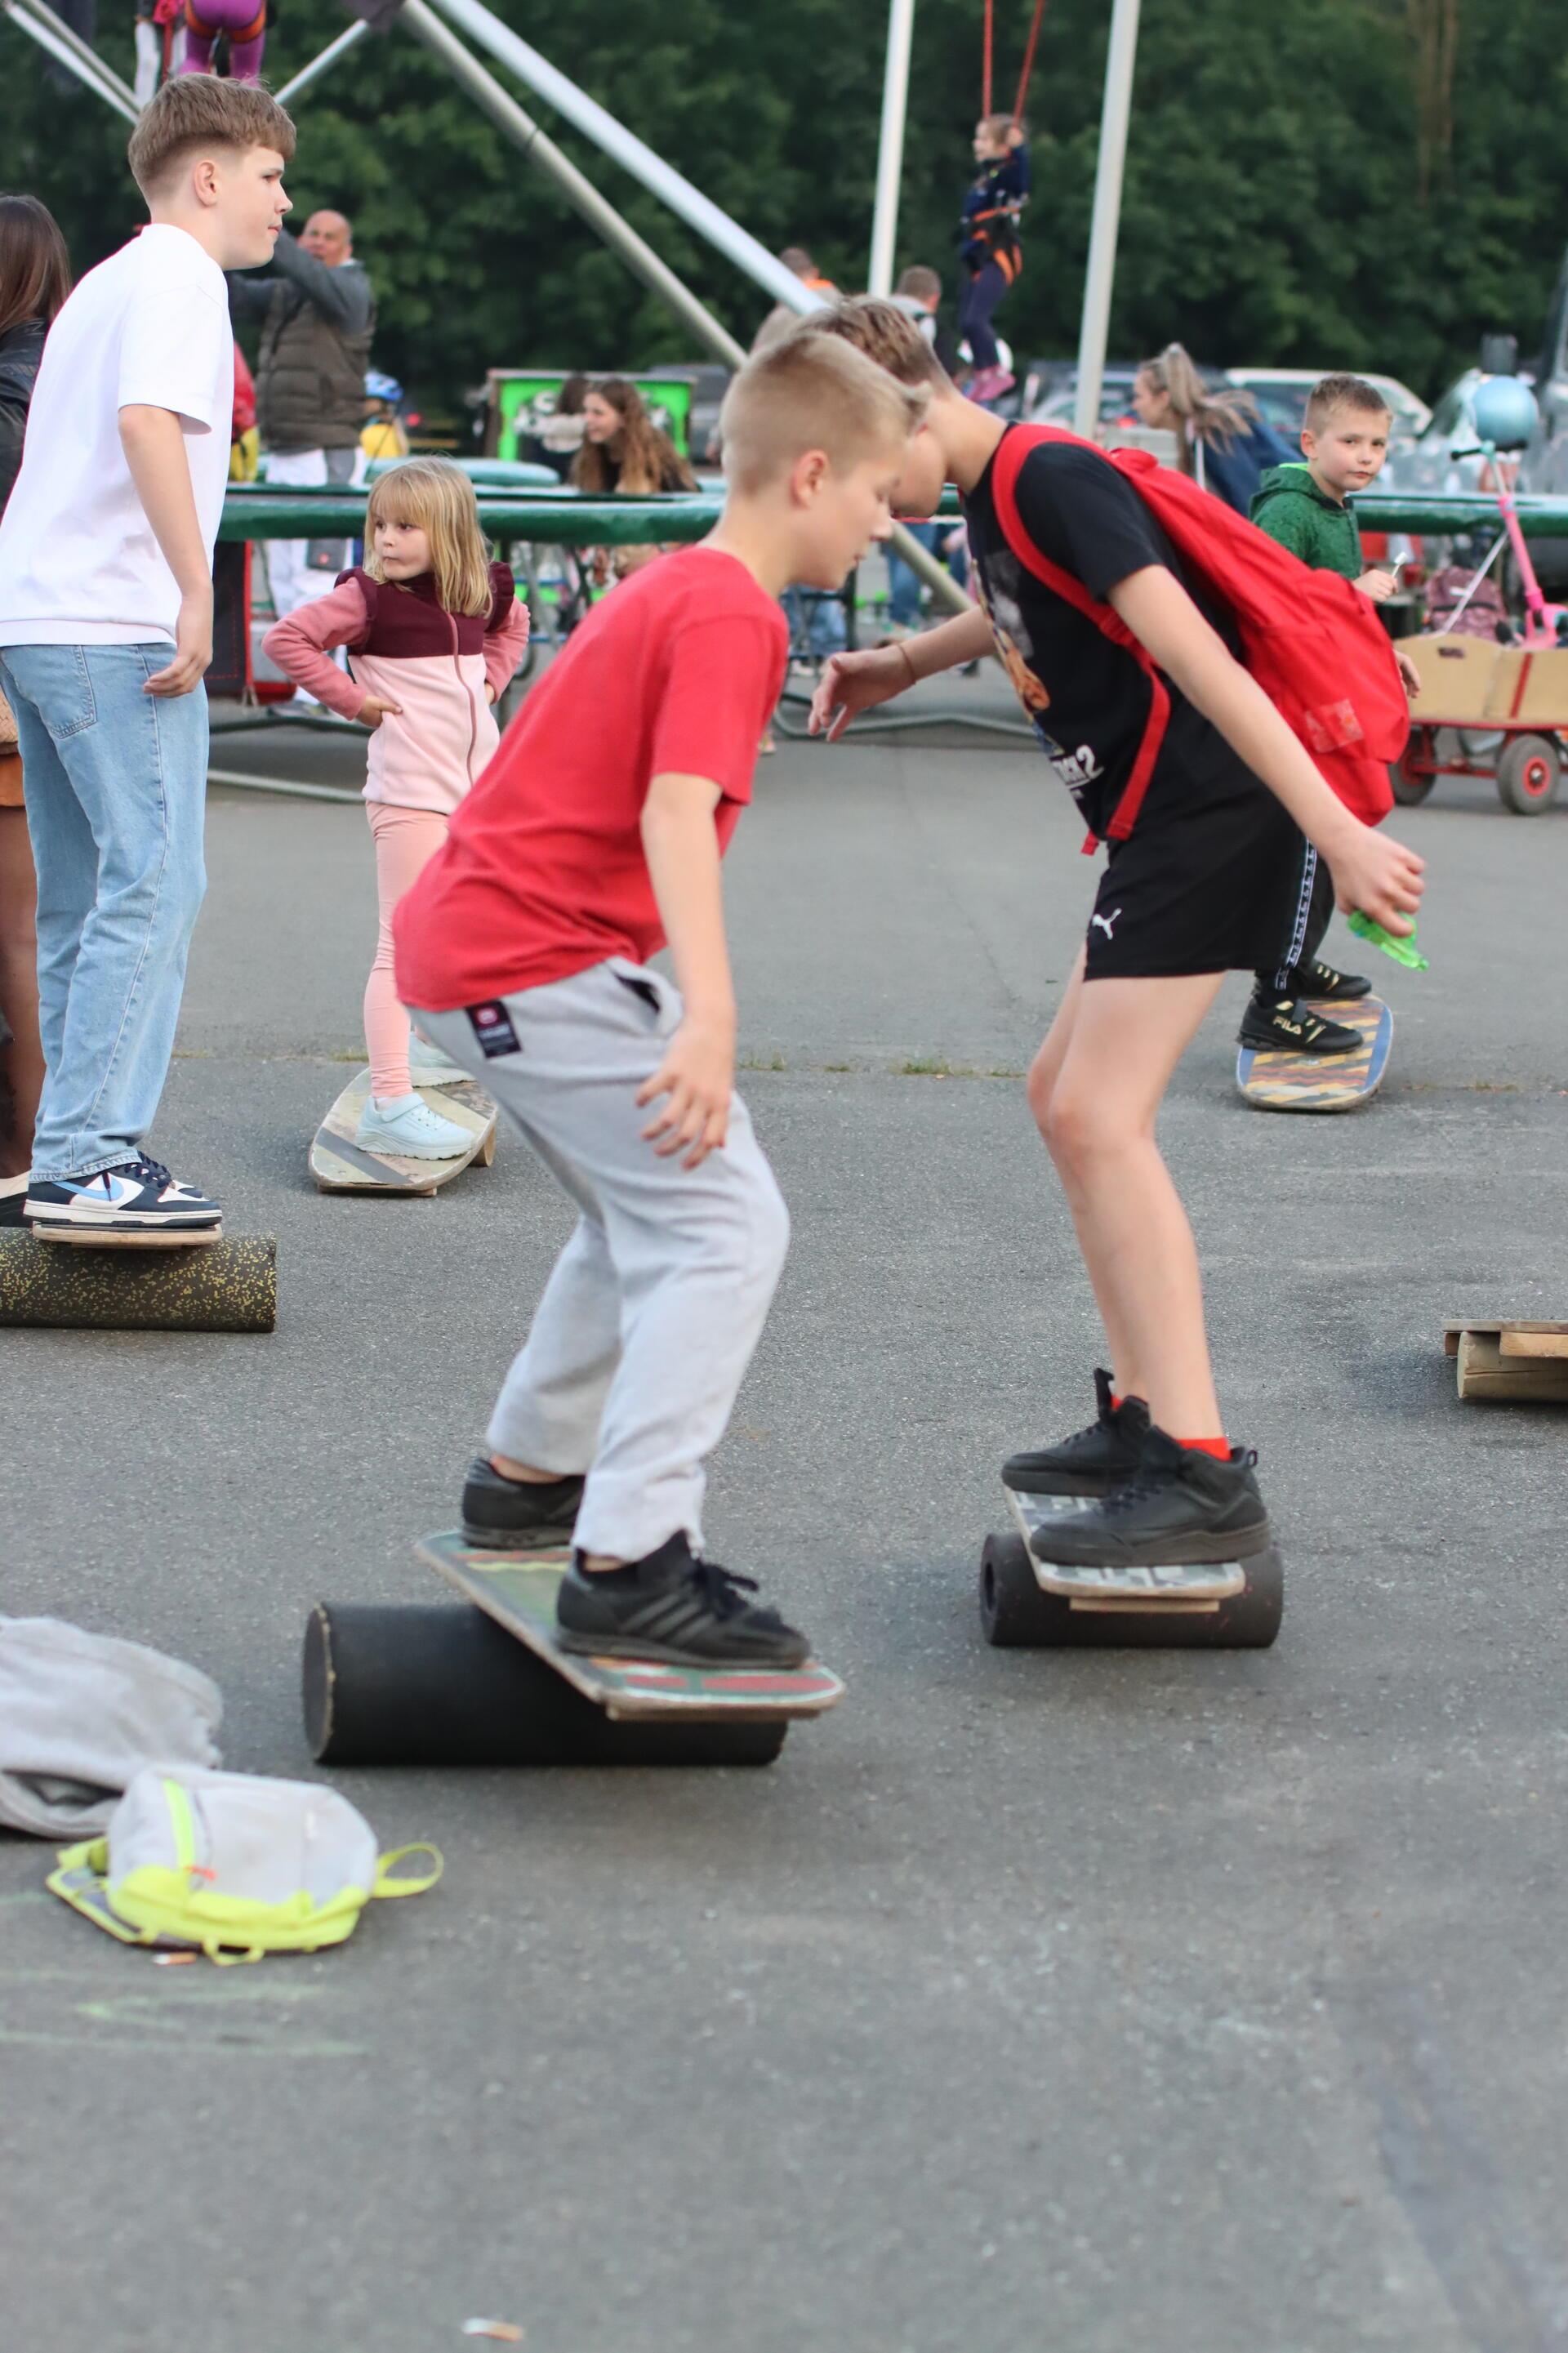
(65,46)
(1106,220)
(696,210)
(346,39)
(524,133)
(890,151)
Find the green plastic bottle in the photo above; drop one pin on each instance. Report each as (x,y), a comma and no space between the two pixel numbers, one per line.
(1405,952)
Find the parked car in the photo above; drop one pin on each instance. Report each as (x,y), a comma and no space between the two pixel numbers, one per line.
(1444,456)
(1059,403)
(1282,396)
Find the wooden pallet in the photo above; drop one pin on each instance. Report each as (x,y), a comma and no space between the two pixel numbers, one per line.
(1518,1360)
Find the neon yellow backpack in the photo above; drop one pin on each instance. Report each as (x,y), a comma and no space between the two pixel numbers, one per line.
(233,1865)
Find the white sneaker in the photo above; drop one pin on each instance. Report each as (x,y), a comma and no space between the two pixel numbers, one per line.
(406,1126)
(429,1065)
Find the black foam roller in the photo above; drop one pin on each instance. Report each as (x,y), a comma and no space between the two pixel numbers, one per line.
(227,1286)
(437,1685)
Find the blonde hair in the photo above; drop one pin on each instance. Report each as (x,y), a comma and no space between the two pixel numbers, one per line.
(1202,415)
(431,495)
(886,335)
(812,391)
(194,113)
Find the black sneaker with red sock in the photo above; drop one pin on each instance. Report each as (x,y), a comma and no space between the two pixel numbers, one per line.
(1094,1460)
(1184,1503)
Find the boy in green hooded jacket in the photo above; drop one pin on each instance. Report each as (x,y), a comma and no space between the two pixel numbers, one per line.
(1344,438)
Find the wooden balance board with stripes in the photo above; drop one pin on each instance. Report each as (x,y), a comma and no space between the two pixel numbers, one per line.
(1276,1082)
(339,1165)
(518,1590)
(1510,1361)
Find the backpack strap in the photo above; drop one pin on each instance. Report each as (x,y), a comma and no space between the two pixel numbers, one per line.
(1018,444)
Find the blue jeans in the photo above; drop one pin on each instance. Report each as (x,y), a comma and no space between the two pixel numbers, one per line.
(903,588)
(815,622)
(977,299)
(115,782)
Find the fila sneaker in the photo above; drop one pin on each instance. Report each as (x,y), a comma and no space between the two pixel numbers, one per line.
(135,1197)
(1321,980)
(1283,1025)
(676,1608)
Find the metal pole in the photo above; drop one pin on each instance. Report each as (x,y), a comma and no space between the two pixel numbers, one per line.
(329,57)
(890,151)
(525,133)
(1106,220)
(51,33)
(696,210)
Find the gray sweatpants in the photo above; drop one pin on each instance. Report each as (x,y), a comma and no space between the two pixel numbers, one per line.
(648,1321)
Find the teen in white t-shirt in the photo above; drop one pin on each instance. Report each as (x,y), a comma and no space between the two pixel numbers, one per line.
(106,619)
(79,561)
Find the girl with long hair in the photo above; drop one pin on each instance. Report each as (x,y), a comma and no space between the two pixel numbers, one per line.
(625,454)
(35,278)
(1221,440)
(433,631)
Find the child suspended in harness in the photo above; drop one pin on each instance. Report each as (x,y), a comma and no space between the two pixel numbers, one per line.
(992,252)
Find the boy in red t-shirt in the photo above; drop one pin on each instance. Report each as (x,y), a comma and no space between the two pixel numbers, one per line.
(594,837)
(1197,889)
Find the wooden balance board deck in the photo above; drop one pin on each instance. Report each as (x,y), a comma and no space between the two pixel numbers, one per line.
(1509,1360)
(339,1165)
(1187,1587)
(518,1590)
(1321,1082)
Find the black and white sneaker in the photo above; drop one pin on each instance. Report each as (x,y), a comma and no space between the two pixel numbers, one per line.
(1321,981)
(502,1515)
(13,1200)
(1094,1460)
(1283,1025)
(1181,1505)
(678,1610)
(136,1197)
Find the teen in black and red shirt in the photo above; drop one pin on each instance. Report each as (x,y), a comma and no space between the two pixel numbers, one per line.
(1185,897)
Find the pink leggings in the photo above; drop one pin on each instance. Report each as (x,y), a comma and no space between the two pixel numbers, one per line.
(406,841)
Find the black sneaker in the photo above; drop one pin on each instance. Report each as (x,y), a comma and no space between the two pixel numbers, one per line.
(676,1608)
(13,1200)
(1283,1025)
(136,1195)
(502,1515)
(1181,1505)
(1094,1460)
(1321,981)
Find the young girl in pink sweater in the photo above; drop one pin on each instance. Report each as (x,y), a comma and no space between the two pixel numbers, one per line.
(433,631)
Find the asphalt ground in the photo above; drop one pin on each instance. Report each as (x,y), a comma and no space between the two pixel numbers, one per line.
(1195,2003)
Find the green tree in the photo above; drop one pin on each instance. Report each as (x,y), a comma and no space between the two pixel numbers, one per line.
(1296,191)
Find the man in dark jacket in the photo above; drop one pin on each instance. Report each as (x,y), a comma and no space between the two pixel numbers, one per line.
(318,316)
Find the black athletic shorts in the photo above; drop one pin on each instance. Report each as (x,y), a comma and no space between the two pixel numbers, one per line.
(1214,877)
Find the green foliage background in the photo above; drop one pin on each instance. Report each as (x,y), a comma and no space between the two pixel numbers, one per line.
(1271,210)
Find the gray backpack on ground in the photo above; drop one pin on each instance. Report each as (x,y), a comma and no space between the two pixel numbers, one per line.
(81,1714)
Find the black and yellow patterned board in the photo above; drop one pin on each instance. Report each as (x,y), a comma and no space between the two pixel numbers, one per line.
(1276,1082)
(339,1165)
(227,1286)
(518,1590)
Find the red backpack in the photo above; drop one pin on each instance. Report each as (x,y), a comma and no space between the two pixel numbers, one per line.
(1313,642)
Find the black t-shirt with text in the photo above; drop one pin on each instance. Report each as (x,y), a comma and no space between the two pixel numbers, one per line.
(1086,697)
